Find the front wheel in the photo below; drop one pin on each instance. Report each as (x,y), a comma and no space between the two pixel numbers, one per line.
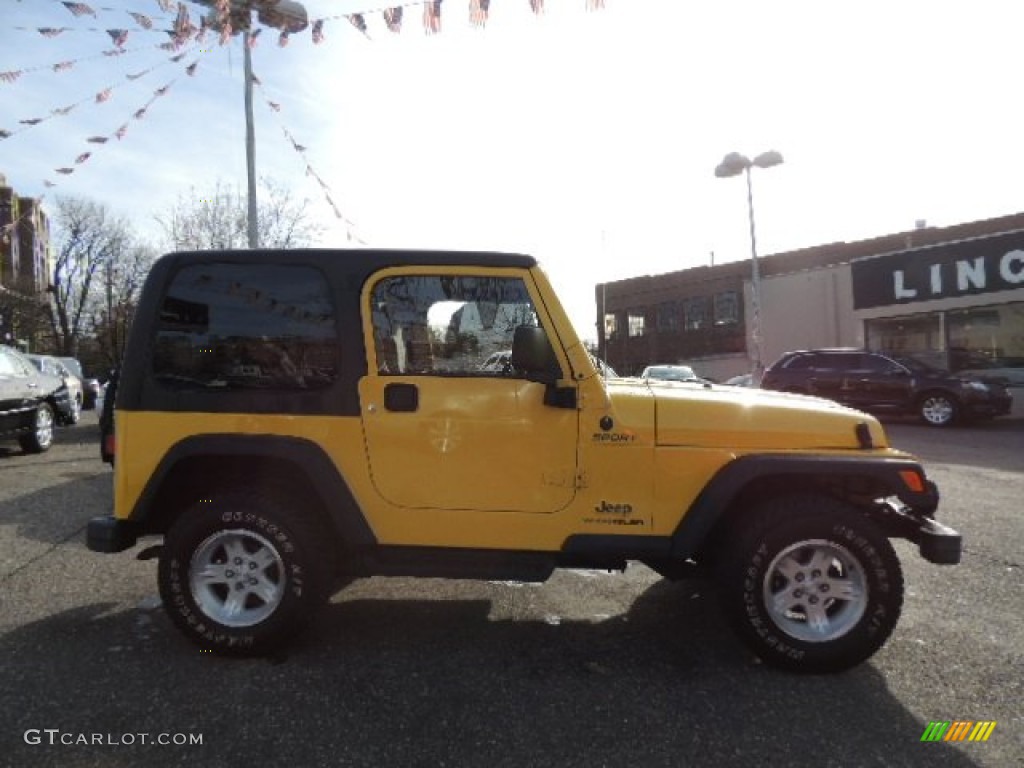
(241,574)
(41,437)
(813,586)
(938,409)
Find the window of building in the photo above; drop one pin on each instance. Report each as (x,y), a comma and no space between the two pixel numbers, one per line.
(611,326)
(668,316)
(727,308)
(635,320)
(986,339)
(233,326)
(695,313)
(442,325)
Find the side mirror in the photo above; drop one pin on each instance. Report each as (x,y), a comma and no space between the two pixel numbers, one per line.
(533,356)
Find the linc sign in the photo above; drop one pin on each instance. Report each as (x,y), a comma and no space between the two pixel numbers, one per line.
(977,266)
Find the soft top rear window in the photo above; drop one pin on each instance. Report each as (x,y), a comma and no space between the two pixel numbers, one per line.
(247,326)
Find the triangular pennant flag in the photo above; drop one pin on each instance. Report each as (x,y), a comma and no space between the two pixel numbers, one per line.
(282,40)
(52,31)
(97,139)
(31,121)
(120,132)
(103,96)
(432,16)
(62,111)
(359,22)
(82,158)
(479,11)
(10,77)
(537,6)
(63,66)
(190,70)
(141,19)
(118,36)
(318,31)
(393,19)
(79,9)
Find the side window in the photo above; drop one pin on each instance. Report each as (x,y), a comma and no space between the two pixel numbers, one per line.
(6,364)
(801,363)
(448,325)
(19,366)
(251,326)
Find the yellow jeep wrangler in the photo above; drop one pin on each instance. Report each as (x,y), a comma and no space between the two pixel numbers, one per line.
(288,421)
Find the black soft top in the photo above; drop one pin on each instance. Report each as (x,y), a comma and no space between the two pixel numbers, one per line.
(347,270)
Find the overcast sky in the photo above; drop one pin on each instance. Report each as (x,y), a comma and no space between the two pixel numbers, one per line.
(586,138)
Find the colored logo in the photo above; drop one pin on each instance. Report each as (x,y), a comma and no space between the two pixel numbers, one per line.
(958,730)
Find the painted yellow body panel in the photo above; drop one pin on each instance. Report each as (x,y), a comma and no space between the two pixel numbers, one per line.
(482,462)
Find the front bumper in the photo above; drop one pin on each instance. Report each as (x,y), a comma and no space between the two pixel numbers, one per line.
(109,534)
(996,404)
(936,542)
(939,543)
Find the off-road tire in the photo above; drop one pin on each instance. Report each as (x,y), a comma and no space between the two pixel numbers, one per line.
(276,564)
(40,438)
(828,549)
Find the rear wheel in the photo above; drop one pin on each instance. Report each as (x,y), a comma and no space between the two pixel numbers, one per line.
(76,411)
(242,574)
(41,437)
(812,586)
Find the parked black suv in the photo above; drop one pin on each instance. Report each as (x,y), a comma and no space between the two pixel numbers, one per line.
(875,382)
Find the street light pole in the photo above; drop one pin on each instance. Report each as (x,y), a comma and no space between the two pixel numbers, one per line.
(250,142)
(732,165)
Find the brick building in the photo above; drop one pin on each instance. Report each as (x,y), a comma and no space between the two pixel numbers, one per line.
(26,265)
(947,294)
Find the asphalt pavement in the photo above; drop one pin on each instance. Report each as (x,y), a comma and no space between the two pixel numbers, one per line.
(590,669)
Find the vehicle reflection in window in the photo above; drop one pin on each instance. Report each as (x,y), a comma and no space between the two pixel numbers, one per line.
(448,325)
(253,327)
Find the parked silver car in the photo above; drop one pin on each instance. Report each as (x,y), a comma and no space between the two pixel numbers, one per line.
(53,366)
(30,402)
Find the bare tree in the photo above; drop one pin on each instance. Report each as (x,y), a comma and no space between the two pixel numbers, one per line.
(89,238)
(216,219)
(116,297)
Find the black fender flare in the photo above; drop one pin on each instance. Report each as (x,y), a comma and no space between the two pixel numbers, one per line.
(305,458)
(732,479)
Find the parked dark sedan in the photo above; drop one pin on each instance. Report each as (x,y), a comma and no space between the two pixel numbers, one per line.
(31,402)
(875,382)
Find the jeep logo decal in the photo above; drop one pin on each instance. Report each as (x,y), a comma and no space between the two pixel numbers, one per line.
(604,508)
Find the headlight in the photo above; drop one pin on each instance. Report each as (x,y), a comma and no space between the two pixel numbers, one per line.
(980,386)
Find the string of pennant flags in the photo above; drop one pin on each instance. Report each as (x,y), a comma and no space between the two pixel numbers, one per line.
(183,31)
(101,96)
(392,17)
(300,149)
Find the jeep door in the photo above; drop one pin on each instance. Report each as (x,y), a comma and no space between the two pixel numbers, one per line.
(443,429)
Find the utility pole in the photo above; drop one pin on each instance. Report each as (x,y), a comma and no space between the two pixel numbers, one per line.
(250,142)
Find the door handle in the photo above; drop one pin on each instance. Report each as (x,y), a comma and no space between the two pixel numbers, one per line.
(402,398)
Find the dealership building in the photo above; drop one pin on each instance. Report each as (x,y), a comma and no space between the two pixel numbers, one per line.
(952,296)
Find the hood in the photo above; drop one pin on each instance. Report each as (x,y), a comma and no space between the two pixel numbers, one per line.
(741,419)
